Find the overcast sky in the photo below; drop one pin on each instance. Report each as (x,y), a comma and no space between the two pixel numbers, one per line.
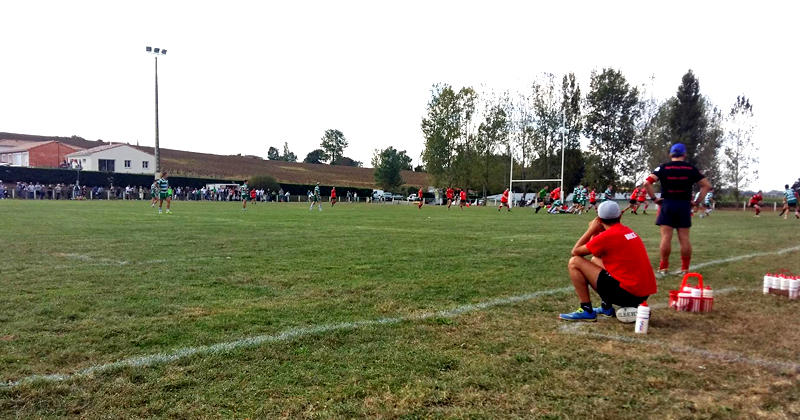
(241,76)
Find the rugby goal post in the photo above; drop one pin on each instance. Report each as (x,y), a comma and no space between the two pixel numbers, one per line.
(563,131)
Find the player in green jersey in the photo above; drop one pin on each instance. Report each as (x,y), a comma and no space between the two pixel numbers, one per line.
(153,194)
(789,203)
(316,198)
(163,192)
(244,191)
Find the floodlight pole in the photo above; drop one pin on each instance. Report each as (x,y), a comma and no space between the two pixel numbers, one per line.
(157,149)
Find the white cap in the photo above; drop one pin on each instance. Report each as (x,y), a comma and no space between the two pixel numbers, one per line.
(608,210)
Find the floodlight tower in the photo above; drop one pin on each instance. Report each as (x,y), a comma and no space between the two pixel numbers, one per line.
(156,52)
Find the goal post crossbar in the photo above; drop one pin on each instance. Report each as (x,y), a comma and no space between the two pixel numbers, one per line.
(536,180)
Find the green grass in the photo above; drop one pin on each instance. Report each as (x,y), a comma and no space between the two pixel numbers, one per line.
(90,283)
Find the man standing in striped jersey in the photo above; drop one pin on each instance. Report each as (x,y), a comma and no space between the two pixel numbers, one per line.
(163,192)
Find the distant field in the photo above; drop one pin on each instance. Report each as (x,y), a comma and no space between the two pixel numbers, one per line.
(372,311)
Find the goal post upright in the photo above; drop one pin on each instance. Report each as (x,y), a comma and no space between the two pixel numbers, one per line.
(512,180)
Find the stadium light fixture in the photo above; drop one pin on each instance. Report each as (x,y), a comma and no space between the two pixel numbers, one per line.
(156,52)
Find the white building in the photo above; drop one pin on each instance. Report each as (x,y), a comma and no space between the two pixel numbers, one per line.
(120,158)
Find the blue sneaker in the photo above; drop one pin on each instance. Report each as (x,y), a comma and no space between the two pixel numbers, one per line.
(605,313)
(579,315)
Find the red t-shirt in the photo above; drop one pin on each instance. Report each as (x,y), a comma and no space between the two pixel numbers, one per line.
(625,258)
(592,196)
(504,198)
(449,193)
(419,193)
(635,194)
(556,194)
(333,193)
(252,193)
(463,195)
(756,199)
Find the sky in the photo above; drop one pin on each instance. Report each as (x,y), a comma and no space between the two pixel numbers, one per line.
(240,76)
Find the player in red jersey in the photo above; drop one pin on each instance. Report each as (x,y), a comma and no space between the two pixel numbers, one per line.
(755,202)
(555,196)
(419,197)
(632,201)
(592,200)
(619,270)
(333,196)
(642,200)
(449,195)
(504,201)
(462,199)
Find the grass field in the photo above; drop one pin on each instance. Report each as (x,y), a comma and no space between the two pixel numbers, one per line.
(372,311)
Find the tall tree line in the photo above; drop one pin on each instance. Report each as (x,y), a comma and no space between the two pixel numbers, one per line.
(469,134)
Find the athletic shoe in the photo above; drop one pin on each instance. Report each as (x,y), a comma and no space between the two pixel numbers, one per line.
(579,315)
(662,273)
(159,211)
(682,272)
(605,313)
(169,211)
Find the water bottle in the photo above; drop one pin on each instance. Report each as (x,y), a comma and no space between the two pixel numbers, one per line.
(642,318)
(767,282)
(708,299)
(696,300)
(794,287)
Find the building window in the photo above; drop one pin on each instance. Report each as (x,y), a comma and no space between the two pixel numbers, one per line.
(145,164)
(106,165)
(127,164)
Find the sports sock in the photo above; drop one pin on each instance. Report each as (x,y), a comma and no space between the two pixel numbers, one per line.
(663,265)
(587,307)
(605,306)
(685,263)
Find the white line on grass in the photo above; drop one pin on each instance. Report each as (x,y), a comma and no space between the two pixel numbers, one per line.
(290,334)
(744,257)
(724,356)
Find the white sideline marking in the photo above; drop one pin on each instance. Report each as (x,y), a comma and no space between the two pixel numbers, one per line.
(725,356)
(744,257)
(90,259)
(286,335)
(292,333)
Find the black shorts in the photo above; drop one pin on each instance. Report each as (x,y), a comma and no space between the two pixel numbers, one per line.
(610,291)
(675,213)
(792,205)
(632,202)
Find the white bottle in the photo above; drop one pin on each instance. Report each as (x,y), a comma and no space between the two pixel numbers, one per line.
(708,299)
(642,318)
(696,301)
(767,282)
(794,288)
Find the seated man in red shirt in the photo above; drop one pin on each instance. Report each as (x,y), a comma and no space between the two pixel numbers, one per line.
(620,270)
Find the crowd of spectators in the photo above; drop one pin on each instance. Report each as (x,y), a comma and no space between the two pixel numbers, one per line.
(38,191)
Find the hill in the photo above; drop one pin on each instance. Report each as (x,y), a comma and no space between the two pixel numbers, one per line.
(181,162)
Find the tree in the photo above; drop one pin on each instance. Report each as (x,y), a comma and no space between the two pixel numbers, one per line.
(441,129)
(333,143)
(492,132)
(611,115)
(273,154)
(574,164)
(265,182)
(740,153)
(315,156)
(288,156)
(388,163)
(346,161)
